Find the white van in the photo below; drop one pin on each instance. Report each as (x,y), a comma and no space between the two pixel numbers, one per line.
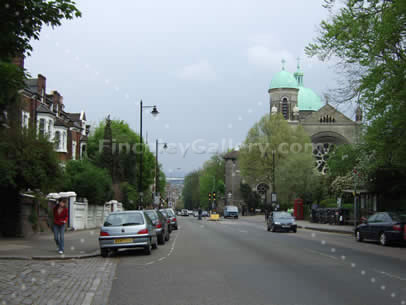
(230,211)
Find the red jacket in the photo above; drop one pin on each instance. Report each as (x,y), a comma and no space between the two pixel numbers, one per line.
(62,218)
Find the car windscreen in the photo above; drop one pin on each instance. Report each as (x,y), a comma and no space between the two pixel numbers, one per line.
(124,219)
(232,209)
(152,214)
(164,213)
(170,212)
(282,215)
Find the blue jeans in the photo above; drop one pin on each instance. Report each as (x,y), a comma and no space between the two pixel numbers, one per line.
(59,231)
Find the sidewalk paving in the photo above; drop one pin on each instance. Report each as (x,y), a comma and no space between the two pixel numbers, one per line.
(304,224)
(78,244)
(345,229)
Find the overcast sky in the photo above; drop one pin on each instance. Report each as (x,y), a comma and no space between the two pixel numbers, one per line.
(206,64)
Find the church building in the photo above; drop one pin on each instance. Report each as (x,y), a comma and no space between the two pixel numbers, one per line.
(299,105)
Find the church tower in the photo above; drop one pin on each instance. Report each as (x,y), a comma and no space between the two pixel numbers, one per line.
(283,92)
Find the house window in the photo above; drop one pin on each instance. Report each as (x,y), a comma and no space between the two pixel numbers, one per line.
(285,108)
(74,150)
(42,127)
(64,141)
(57,140)
(25,119)
(49,127)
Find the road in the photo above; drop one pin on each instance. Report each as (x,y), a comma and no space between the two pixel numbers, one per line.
(238,262)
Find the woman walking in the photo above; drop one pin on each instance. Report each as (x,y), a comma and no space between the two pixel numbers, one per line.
(60,219)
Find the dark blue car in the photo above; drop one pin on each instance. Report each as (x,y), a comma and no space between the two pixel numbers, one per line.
(385,227)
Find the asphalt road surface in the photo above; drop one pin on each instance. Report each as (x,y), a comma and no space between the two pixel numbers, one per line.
(238,262)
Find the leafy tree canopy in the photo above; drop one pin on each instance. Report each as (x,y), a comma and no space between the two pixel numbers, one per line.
(368,38)
(89,181)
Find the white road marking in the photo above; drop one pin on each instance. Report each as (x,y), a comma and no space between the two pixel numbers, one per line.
(321,253)
(150,263)
(391,275)
(161,259)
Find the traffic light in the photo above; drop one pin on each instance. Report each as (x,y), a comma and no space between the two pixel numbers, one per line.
(214,196)
(209,196)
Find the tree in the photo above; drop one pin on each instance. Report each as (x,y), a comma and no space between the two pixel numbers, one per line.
(368,38)
(106,156)
(124,145)
(293,158)
(211,179)
(191,190)
(21,23)
(27,161)
(250,197)
(89,181)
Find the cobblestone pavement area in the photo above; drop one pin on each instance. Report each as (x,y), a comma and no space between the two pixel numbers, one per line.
(84,282)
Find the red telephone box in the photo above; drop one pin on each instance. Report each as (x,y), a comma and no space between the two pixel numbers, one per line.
(298,209)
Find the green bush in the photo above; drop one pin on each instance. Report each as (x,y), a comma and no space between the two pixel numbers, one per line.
(328,203)
(88,181)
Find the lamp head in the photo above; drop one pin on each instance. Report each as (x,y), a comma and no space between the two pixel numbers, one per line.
(154,111)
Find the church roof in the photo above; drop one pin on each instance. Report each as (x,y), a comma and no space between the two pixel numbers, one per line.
(308,99)
(283,79)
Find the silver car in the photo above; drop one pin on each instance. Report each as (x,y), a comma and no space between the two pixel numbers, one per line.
(127,229)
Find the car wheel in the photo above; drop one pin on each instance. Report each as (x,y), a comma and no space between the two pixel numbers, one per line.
(104,252)
(294,230)
(358,236)
(272,228)
(383,240)
(155,245)
(161,239)
(168,236)
(176,227)
(268,228)
(147,248)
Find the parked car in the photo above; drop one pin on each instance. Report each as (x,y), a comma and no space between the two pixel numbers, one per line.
(127,229)
(230,211)
(161,225)
(385,227)
(195,213)
(168,218)
(190,212)
(281,221)
(172,217)
(185,212)
(205,214)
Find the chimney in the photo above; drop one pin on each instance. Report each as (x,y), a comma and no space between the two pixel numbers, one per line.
(57,101)
(42,86)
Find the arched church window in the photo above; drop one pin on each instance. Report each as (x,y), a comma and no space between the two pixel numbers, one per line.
(285,108)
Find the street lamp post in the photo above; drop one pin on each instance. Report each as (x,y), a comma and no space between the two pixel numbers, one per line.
(157,165)
(154,112)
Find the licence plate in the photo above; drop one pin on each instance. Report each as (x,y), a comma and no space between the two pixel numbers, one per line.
(286,226)
(123,241)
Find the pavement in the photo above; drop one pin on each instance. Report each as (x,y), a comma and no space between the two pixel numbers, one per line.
(78,244)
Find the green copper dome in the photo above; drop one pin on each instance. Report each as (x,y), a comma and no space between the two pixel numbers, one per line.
(308,99)
(283,79)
